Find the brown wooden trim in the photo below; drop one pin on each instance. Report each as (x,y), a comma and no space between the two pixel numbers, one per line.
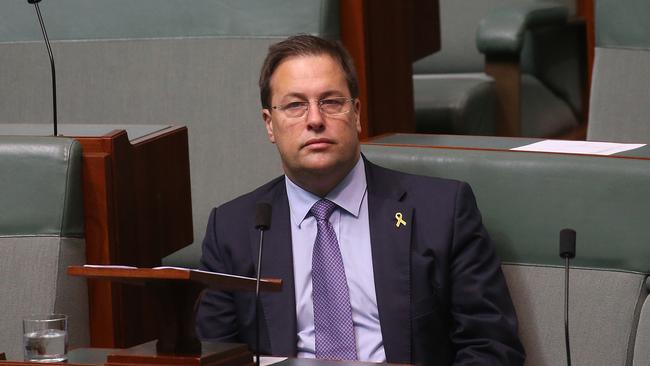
(137,209)
(353,36)
(586,11)
(380,36)
(98,198)
(507,77)
(504,150)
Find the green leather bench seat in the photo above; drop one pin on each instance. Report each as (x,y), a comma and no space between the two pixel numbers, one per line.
(526,199)
(41,233)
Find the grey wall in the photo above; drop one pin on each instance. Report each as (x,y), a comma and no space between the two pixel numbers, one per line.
(95,19)
(185,62)
(208,84)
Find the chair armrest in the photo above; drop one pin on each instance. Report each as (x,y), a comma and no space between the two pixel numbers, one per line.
(502,31)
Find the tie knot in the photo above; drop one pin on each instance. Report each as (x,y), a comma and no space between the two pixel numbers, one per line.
(322,209)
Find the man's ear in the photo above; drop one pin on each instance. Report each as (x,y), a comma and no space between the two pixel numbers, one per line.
(357,112)
(268,122)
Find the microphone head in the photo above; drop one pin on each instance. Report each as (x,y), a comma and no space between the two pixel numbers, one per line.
(33,1)
(262,216)
(567,243)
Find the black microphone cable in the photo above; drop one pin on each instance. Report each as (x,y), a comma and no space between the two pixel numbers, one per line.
(567,251)
(49,52)
(262,223)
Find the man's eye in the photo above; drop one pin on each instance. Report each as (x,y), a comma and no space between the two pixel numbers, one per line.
(295,105)
(332,102)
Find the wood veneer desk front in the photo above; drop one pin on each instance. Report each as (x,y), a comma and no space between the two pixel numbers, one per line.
(137,210)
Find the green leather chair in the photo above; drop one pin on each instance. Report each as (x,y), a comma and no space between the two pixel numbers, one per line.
(619,108)
(525,200)
(41,234)
(506,67)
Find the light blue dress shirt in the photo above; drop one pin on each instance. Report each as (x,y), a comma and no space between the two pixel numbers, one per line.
(350,222)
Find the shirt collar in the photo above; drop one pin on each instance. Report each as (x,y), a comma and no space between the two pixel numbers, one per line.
(348,194)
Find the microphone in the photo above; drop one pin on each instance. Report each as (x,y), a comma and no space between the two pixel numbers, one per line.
(49,52)
(568,252)
(262,223)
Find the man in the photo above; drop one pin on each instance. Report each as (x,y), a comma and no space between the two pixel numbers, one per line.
(377,265)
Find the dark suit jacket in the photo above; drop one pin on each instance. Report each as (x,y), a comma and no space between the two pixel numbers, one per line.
(441,295)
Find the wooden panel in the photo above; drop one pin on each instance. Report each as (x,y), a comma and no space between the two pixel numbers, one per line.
(98,223)
(426,28)
(507,78)
(381,38)
(137,209)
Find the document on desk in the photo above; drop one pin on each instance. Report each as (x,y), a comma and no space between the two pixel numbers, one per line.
(578,147)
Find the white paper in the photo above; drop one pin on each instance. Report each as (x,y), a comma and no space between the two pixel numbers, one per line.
(578,147)
(115,266)
(268,360)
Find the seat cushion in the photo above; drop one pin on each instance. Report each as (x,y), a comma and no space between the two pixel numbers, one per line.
(455,103)
(602,317)
(543,114)
(38,284)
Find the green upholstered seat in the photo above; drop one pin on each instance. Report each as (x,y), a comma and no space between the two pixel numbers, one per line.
(619,107)
(526,199)
(41,233)
(536,32)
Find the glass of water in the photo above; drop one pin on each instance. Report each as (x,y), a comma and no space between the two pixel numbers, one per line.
(45,338)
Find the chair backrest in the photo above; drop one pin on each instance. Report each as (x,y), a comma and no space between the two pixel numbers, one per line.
(459,21)
(526,199)
(41,233)
(620,86)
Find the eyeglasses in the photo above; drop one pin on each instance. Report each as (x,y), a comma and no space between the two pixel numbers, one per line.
(328,106)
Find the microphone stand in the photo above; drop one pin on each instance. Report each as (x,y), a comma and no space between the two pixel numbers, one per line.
(49,52)
(566,310)
(567,251)
(262,223)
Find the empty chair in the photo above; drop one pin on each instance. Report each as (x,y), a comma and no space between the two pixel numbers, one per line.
(41,233)
(620,89)
(506,67)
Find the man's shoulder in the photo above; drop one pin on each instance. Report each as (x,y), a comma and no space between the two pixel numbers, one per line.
(411,181)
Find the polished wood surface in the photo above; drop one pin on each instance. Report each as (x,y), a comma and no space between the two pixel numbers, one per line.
(384,38)
(212,354)
(213,280)
(506,72)
(137,209)
(176,291)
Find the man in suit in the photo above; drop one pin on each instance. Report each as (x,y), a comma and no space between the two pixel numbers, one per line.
(376,265)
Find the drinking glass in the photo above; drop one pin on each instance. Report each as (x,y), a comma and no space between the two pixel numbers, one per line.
(45,338)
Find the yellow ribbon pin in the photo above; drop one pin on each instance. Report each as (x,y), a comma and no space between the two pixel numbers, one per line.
(398,217)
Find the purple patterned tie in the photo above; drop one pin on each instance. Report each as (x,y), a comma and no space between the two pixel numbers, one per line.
(332,311)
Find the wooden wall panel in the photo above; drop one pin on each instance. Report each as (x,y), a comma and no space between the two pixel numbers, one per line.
(381,36)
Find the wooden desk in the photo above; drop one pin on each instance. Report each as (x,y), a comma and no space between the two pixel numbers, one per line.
(137,205)
(137,210)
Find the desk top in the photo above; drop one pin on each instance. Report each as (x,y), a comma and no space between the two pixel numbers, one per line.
(97,356)
(477,142)
(78,130)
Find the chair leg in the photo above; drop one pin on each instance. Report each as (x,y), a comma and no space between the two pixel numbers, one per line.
(507,76)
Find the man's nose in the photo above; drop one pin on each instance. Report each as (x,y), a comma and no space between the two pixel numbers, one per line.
(314,115)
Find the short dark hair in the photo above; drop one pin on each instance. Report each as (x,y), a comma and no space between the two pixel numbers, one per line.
(305,45)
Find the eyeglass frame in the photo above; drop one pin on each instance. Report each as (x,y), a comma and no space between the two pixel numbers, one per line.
(319,102)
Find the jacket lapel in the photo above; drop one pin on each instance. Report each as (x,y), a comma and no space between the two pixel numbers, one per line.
(391,261)
(278,307)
